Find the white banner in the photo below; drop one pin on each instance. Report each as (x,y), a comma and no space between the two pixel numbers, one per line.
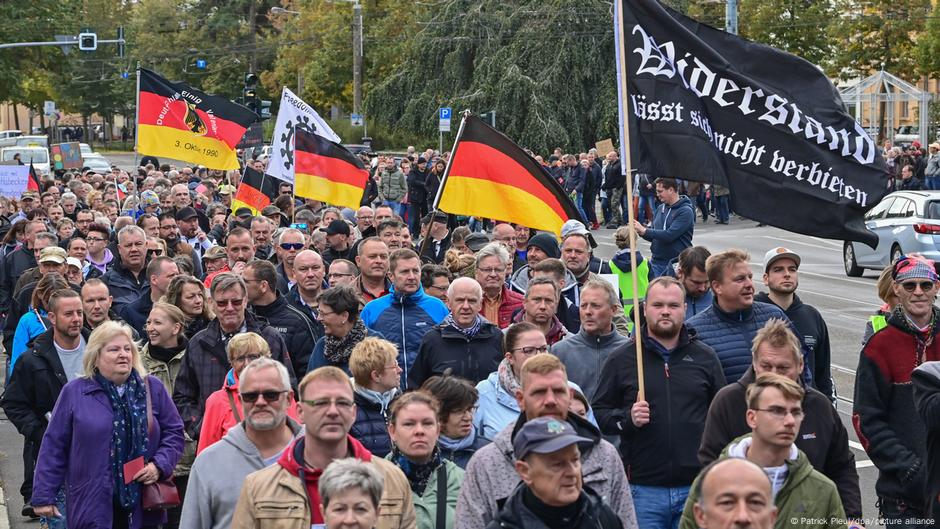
(293,113)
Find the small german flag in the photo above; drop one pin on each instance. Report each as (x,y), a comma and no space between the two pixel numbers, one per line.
(255,191)
(180,122)
(32,183)
(489,176)
(326,171)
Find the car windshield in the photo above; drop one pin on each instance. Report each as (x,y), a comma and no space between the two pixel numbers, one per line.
(27,155)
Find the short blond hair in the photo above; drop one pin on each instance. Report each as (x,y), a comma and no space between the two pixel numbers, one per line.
(244,342)
(790,389)
(100,337)
(716,264)
(541,365)
(777,333)
(371,354)
(331,373)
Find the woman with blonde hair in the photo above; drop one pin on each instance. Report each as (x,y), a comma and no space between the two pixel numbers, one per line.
(224,406)
(460,264)
(112,420)
(189,294)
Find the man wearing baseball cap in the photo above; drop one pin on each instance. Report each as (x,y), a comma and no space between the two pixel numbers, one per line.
(884,416)
(781,277)
(552,494)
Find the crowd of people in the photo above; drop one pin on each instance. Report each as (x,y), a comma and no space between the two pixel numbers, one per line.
(389,367)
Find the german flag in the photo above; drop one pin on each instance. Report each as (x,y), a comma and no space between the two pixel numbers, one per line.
(255,191)
(32,183)
(489,176)
(180,122)
(326,171)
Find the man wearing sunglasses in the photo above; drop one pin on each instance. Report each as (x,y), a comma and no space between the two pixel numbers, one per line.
(888,425)
(665,424)
(289,243)
(252,444)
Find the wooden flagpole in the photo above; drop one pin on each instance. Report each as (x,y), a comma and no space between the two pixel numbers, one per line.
(627,169)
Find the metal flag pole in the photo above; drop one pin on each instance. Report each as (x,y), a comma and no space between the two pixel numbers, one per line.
(136,140)
(440,188)
(627,169)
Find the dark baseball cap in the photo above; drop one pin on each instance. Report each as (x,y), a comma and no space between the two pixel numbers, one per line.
(337,227)
(243,212)
(186,213)
(476,241)
(545,435)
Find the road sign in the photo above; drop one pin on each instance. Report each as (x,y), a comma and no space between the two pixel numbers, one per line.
(356,120)
(48,108)
(444,115)
(201,64)
(87,41)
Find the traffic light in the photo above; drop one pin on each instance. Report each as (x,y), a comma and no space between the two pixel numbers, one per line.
(87,41)
(251,80)
(264,109)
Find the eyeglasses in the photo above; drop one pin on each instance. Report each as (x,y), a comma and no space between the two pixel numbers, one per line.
(292,246)
(269,396)
(94,239)
(779,412)
(337,274)
(489,271)
(926,286)
(246,358)
(529,351)
(324,404)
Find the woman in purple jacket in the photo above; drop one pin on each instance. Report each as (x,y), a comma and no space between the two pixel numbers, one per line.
(100,423)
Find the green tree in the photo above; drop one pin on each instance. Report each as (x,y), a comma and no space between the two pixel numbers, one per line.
(928,45)
(796,26)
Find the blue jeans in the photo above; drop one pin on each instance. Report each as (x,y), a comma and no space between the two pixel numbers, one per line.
(579,203)
(396,207)
(641,206)
(897,513)
(932,182)
(721,208)
(658,507)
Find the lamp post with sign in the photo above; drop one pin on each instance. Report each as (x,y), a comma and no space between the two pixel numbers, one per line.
(443,125)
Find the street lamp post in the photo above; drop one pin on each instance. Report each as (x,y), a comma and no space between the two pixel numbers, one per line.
(277,10)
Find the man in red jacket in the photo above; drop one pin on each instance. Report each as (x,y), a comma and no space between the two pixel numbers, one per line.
(493,264)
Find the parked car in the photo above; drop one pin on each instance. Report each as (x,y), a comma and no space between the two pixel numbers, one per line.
(905,222)
(86,149)
(96,163)
(39,156)
(32,141)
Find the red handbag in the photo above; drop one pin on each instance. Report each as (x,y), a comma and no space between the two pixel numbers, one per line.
(162,494)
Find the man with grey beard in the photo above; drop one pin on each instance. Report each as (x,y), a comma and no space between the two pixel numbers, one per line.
(252,444)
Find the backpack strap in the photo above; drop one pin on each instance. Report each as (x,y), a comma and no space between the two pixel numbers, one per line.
(441,497)
(231,403)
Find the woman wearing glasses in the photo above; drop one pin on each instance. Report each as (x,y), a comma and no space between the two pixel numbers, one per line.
(497,404)
(435,481)
(458,399)
(224,407)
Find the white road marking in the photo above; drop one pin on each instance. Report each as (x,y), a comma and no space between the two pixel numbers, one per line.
(864,464)
(792,241)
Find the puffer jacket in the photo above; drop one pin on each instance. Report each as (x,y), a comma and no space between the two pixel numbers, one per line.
(593,513)
(371,426)
(404,320)
(280,497)
(491,477)
(730,334)
(444,347)
(509,302)
(584,357)
(806,495)
(671,230)
(393,186)
(496,407)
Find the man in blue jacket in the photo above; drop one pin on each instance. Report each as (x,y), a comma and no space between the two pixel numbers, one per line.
(673,222)
(407,313)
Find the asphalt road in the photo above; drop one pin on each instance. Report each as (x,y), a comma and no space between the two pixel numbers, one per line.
(845,303)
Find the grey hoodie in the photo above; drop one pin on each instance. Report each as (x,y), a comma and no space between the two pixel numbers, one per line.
(212,493)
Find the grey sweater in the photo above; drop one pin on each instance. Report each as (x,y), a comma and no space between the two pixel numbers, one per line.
(213,492)
(491,477)
(584,357)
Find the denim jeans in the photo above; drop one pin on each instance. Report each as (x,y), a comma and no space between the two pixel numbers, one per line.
(658,507)
(396,207)
(579,203)
(644,201)
(932,182)
(721,208)
(898,514)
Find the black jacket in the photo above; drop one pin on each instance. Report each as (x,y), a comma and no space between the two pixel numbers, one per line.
(593,513)
(444,347)
(34,387)
(926,379)
(433,254)
(371,426)
(663,452)
(613,179)
(123,286)
(205,365)
(417,191)
(815,334)
(13,266)
(299,333)
(329,255)
(136,313)
(822,437)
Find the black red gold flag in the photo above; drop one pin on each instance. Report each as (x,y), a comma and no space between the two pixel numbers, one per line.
(326,171)
(255,191)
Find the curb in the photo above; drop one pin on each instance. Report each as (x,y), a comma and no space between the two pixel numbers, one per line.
(4,515)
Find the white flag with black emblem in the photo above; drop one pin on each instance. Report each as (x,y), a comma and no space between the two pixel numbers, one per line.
(293,113)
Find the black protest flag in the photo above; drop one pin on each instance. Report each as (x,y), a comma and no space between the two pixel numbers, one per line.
(709,106)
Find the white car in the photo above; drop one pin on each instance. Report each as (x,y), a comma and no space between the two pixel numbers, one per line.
(96,163)
(38,156)
(86,149)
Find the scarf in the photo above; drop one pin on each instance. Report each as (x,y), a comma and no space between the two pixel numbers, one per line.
(922,339)
(337,350)
(165,354)
(418,474)
(507,379)
(382,399)
(129,436)
(453,445)
(471,331)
